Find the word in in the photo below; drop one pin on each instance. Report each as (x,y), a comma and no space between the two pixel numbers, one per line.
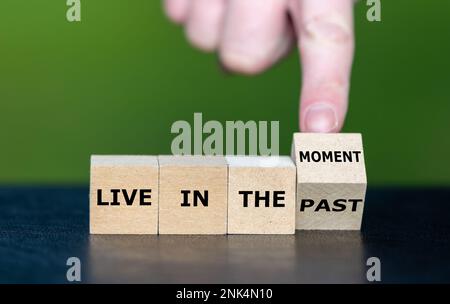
(198,197)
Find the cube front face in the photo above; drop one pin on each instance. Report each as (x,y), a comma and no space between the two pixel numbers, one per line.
(261,200)
(331,181)
(330,206)
(124,195)
(193,197)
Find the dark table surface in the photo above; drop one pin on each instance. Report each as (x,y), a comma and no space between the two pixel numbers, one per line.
(407,229)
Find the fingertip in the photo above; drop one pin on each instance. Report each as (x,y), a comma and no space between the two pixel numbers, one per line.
(320,117)
(255,35)
(200,40)
(241,63)
(176,10)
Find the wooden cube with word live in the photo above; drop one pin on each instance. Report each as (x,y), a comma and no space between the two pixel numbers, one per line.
(193,195)
(261,195)
(124,195)
(331,181)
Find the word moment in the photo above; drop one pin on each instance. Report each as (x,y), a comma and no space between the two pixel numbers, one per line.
(321,186)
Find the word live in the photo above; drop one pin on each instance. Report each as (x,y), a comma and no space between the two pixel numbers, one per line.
(321,187)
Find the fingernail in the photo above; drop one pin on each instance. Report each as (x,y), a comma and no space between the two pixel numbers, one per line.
(320,118)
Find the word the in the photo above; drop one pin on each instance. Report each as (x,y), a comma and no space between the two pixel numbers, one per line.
(276,197)
(198,197)
(336,206)
(144,196)
(330,156)
(235,131)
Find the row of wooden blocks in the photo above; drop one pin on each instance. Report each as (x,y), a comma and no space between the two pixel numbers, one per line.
(323,189)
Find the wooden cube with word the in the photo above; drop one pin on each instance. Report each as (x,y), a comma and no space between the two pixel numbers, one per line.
(124,194)
(193,195)
(331,181)
(261,195)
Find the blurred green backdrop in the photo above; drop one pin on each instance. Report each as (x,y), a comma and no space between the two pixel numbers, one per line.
(114,84)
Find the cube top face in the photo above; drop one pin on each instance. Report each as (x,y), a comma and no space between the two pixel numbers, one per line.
(124,195)
(261,195)
(193,195)
(329,158)
(260,161)
(124,160)
(191,161)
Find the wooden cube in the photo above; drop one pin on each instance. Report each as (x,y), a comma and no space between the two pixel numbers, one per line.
(193,195)
(331,181)
(261,195)
(124,195)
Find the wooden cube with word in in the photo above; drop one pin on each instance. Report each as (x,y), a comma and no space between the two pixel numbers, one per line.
(124,194)
(193,194)
(331,181)
(261,195)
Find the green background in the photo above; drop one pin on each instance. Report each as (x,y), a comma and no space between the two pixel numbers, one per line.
(115,83)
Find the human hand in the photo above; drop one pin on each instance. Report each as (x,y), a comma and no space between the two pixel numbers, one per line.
(252,35)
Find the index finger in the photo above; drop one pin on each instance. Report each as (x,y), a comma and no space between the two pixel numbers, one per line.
(326,44)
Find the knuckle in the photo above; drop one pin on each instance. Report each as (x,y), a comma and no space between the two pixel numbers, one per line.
(200,40)
(331,30)
(334,84)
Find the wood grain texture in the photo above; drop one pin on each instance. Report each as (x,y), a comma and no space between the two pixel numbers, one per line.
(260,174)
(201,173)
(330,179)
(128,173)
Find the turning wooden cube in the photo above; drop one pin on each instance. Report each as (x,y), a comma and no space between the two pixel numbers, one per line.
(124,195)
(261,195)
(331,181)
(193,195)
